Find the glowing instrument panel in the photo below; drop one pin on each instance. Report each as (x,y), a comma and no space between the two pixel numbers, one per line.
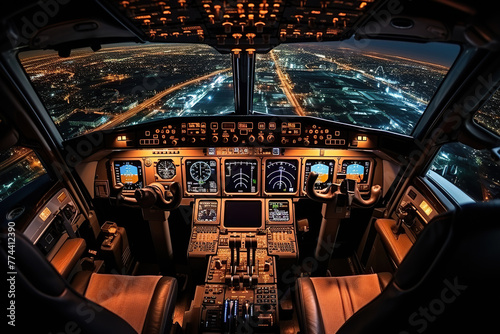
(242,171)
(262,131)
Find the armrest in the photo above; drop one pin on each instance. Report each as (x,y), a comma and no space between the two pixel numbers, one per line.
(397,246)
(68,255)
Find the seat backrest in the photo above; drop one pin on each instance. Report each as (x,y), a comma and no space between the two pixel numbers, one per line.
(44,300)
(446,283)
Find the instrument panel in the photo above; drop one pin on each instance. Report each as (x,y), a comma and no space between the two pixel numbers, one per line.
(242,171)
(241,131)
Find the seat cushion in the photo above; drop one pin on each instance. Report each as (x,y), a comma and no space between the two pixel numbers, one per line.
(145,302)
(325,303)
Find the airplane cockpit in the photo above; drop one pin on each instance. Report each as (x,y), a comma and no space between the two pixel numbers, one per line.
(250,166)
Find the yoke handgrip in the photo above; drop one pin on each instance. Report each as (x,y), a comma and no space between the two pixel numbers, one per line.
(324,196)
(376,190)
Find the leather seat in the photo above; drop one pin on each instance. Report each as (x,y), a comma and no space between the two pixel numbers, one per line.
(445,284)
(327,302)
(93,303)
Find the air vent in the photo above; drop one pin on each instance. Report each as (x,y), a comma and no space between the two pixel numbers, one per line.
(85,26)
(15,213)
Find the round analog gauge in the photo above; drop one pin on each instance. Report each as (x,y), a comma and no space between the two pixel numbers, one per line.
(165,169)
(200,171)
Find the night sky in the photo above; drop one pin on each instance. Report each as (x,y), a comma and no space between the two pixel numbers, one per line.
(433,52)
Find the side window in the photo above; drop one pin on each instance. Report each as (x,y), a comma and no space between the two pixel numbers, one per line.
(488,116)
(19,166)
(466,174)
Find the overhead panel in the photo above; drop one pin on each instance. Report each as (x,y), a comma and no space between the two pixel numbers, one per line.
(244,24)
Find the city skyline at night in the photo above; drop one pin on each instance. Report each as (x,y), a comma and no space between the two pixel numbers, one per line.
(124,85)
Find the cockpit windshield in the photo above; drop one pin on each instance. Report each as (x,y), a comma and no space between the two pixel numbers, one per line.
(374,84)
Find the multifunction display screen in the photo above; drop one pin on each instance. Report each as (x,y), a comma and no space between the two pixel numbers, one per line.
(281,176)
(242,214)
(207,211)
(279,211)
(201,176)
(358,170)
(325,169)
(128,173)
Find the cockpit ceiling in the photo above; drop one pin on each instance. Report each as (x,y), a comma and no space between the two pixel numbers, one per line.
(242,24)
(245,24)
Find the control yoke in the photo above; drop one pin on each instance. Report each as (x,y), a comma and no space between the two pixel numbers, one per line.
(348,187)
(165,197)
(156,201)
(337,201)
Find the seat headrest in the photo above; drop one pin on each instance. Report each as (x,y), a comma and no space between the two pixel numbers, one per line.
(464,236)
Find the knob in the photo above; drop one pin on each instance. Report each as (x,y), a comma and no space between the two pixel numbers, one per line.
(251,138)
(260,138)
(306,142)
(192,140)
(215,139)
(283,140)
(225,140)
(174,142)
(235,139)
(270,138)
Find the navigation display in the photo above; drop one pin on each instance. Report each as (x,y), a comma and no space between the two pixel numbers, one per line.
(358,170)
(281,176)
(240,176)
(201,176)
(128,173)
(279,211)
(326,170)
(207,211)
